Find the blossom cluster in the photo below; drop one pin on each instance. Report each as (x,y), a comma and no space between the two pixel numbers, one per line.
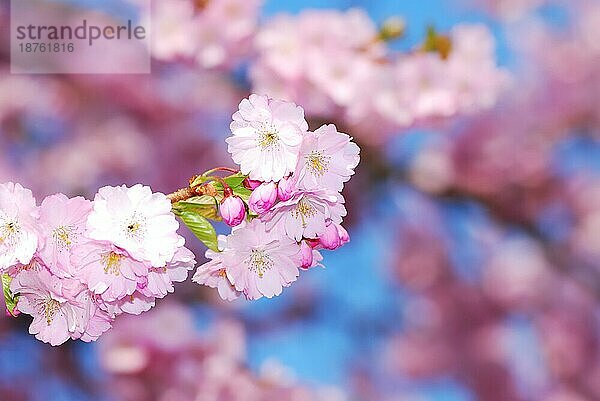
(211,33)
(210,365)
(77,264)
(310,59)
(360,80)
(295,207)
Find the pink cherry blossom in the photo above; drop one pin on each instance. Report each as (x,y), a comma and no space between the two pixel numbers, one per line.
(18,233)
(225,30)
(258,262)
(473,48)
(107,270)
(306,213)
(56,316)
(266,137)
(137,220)
(327,159)
(173,27)
(62,225)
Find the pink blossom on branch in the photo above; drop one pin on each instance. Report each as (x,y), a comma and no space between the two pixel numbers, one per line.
(77,265)
(137,220)
(327,159)
(260,262)
(266,137)
(213,34)
(214,273)
(107,270)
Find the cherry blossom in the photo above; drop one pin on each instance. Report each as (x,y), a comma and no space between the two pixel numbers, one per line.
(18,234)
(136,220)
(327,159)
(263,197)
(159,280)
(107,270)
(306,213)
(62,225)
(77,265)
(57,315)
(260,263)
(266,137)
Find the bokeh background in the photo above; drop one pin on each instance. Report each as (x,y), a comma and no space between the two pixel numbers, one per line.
(474,267)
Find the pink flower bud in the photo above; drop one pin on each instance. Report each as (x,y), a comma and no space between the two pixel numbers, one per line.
(263,197)
(251,184)
(334,236)
(286,188)
(232,210)
(306,255)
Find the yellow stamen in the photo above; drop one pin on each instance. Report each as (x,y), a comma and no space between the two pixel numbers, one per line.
(112,263)
(303,211)
(50,308)
(259,262)
(317,162)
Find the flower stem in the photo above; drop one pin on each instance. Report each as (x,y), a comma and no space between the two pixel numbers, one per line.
(228,169)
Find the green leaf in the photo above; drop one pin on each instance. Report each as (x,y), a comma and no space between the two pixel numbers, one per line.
(200,226)
(9,298)
(236,180)
(203,200)
(243,193)
(205,205)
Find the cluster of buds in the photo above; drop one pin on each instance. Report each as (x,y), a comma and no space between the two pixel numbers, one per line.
(285,204)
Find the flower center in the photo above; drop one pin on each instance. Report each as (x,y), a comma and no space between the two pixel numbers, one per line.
(304,210)
(268,138)
(64,236)
(9,232)
(112,263)
(51,306)
(317,162)
(259,262)
(135,227)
